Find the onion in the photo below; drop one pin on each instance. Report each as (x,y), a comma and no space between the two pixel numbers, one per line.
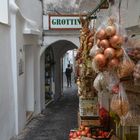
(91,39)
(90,44)
(116,41)
(119,52)
(104,43)
(82,38)
(101,34)
(100,60)
(85,30)
(90,34)
(110,31)
(113,63)
(109,53)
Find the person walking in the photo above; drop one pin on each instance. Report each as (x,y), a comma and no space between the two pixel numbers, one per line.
(68,72)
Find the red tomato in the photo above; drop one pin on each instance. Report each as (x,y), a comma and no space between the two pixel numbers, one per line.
(105,134)
(100,136)
(100,132)
(94,136)
(79,137)
(78,133)
(89,135)
(71,134)
(83,133)
(74,135)
(82,127)
(87,129)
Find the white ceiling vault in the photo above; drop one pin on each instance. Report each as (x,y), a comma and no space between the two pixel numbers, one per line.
(69,6)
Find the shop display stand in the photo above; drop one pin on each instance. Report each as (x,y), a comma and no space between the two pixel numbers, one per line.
(94,120)
(88,114)
(88,120)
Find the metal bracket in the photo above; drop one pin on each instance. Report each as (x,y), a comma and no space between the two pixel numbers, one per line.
(89,15)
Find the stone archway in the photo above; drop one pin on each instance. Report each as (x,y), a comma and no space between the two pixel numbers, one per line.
(59,48)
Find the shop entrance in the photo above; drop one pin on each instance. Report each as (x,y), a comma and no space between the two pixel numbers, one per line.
(49,74)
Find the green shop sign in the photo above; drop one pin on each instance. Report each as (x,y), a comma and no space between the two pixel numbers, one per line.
(64,22)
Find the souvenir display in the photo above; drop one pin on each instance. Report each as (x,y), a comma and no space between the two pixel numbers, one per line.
(106,60)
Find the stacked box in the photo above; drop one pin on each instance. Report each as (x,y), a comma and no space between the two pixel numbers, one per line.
(88,106)
(88,121)
(93,122)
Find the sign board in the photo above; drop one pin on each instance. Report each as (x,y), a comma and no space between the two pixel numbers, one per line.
(64,22)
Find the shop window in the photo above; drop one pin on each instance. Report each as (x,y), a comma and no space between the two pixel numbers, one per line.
(4,11)
(49,74)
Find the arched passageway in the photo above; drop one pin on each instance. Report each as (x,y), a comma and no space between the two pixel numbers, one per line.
(52,68)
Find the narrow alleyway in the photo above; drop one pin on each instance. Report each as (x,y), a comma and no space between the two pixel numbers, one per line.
(56,120)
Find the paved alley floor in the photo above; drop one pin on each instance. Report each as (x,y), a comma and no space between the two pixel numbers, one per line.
(56,120)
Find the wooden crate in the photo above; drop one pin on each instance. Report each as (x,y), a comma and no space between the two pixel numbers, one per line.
(88,121)
(88,106)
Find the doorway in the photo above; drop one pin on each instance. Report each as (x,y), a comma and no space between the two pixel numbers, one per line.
(52,58)
(49,75)
(69,58)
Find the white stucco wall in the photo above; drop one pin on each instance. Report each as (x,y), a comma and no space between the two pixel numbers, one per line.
(49,39)
(7,121)
(18,40)
(31,9)
(37,79)
(130,12)
(29,77)
(27,103)
(20,78)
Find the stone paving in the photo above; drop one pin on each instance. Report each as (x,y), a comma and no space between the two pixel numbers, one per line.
(56,120)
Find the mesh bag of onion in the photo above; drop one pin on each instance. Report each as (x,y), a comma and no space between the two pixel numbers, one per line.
(119,103)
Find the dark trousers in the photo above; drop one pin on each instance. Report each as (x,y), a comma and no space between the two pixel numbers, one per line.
(68,81)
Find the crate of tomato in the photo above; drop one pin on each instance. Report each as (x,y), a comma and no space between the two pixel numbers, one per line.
(86,133)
